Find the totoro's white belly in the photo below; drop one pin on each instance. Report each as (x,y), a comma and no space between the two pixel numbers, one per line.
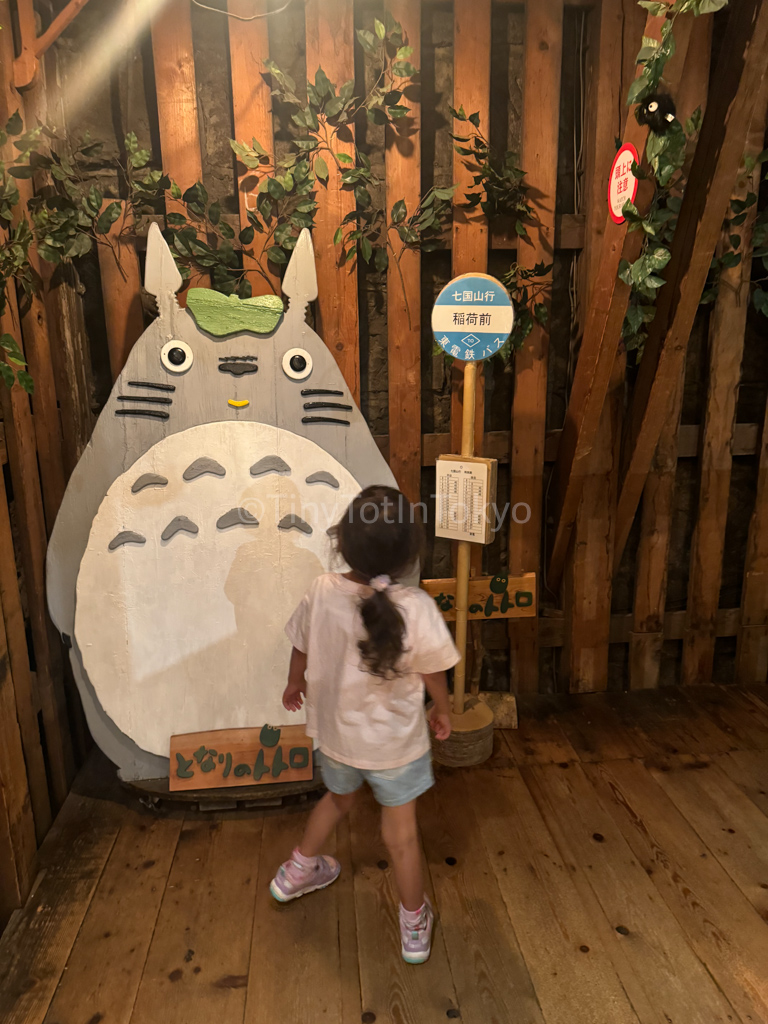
(185,633)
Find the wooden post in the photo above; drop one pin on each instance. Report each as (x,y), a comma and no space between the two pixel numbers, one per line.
(330,45)
(752,644)
(121,289)
(602,331)
(252,110)
(713,171)
(647,636)
(541,120)
(174,60)
(403,174)
(464,546)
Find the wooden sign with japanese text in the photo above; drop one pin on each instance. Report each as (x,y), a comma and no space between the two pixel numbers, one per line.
(240,757)
(490,597)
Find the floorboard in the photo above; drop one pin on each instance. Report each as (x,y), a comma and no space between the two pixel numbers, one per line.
(607,865)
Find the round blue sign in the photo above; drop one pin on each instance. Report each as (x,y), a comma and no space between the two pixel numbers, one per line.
(472,317)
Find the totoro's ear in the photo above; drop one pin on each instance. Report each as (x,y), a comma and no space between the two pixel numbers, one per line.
(300,281)
(161,275)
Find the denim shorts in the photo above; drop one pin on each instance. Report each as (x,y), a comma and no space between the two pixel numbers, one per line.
(392,787)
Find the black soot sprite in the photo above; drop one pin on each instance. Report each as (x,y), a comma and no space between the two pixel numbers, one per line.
(657,112)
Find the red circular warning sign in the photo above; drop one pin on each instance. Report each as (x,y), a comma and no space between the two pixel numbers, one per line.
(622,184)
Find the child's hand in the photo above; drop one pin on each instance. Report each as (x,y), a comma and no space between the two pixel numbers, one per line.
(440,725)
(293,697)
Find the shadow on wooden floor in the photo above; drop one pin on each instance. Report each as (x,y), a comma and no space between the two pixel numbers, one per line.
(609,865)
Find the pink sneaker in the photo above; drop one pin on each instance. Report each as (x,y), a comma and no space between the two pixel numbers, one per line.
(292,880)
(416,939)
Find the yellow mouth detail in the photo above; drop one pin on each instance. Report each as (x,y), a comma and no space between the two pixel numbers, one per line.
(239,404)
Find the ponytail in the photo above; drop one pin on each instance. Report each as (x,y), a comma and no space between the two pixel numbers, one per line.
(385,629)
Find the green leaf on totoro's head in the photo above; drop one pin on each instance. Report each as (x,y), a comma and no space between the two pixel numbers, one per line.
(269,736)
(220,315)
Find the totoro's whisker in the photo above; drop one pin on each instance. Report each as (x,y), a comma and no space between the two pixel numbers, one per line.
(126,537)
(306,392)
(324,419)
(154,385)
(236,517)
(326,405)
(155,414)
(321,477)
(148,480)
(202,466)
(294,522)
(270,464)
(151,399)
(181,524)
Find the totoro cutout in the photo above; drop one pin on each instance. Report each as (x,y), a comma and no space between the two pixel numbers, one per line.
(197,517)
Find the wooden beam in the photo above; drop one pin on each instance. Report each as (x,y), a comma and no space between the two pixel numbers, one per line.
(541,122)
(726,347)
(26,65)
(588,578)
(553,627)
(658,496)
(331,46)
(713,171)
(120,289)
(606,310)
(252,110)
(403,181)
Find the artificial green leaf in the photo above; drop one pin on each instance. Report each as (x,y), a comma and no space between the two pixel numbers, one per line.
(9,377)
(337,235)
(21,172)
(653,7)
(108,217)
(759,300)
(176,220)
(321,169)
(14,125)
(226,229)
(638,90)
(25,380)
(366,249)
(399,211)
(381,259)
(367,40)
(8,343)
(403,69)
(246,235)
(379,28)
(344,158)
(214,212)
(276,255)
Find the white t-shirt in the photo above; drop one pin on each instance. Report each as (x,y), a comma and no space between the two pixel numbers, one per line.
(358,718)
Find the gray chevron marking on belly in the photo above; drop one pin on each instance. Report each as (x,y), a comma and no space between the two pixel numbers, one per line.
(270,464)
(236,517)
(294,522)
(178,525)
(202,466)
(323,478)
(126,537)
(148,480)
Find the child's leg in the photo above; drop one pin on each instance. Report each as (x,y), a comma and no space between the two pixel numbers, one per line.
(400,833)
(323,820)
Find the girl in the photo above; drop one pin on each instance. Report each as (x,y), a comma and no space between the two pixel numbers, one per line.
(364,648)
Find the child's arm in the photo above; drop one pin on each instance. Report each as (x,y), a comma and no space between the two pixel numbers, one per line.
(297,687)
(440,717)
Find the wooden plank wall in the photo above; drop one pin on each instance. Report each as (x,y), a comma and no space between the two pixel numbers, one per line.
(41,449)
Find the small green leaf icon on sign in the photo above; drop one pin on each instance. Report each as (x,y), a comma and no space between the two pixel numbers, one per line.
(269,737)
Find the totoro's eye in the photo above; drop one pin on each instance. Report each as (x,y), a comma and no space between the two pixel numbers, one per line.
(297,364)
(176,356)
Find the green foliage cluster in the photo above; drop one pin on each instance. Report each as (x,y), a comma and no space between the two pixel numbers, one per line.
(668,155)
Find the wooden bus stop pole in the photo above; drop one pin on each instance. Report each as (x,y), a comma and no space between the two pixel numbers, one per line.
(464,546)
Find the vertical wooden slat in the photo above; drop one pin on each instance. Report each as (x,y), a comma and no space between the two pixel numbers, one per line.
(18,661)
(472,90)
(752,644)
(541,120)
(23,460)
(587,598)
(647,636)
(403,174)
(252,110)
(330,45)
(121,289)
(726,346)
(174,60)
(18,844)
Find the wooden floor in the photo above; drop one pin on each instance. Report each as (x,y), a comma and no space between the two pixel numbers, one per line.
(609,865)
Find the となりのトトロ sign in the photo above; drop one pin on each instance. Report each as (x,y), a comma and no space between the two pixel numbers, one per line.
(240,757)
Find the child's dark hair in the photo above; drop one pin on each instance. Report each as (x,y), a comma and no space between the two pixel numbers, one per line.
(380,535)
